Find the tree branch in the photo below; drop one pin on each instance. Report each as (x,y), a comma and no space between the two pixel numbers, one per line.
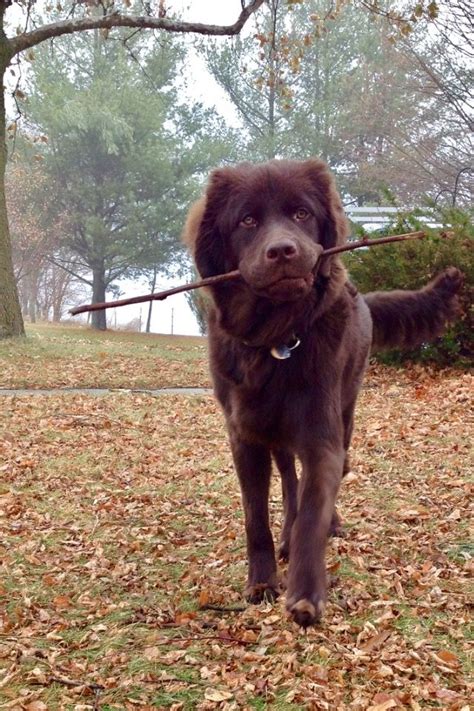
(69,271)
(230,276)
(71,25)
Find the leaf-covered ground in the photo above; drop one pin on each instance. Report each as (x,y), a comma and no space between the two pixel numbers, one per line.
(122,559)
(56,356)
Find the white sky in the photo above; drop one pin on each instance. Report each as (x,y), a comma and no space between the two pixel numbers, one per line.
(217,12)
(174,309)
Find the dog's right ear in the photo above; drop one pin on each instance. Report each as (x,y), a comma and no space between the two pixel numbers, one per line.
(202,233)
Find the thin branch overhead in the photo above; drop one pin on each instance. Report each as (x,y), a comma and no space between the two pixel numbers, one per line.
(71,25)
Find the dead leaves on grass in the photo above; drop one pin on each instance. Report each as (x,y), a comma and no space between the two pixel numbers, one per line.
(75,358)
(123,553)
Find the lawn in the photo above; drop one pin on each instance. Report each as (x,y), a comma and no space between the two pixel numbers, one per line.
(122,555)
(57,356)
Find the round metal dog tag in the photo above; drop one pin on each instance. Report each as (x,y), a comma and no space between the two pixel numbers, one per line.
(280,352)
(283,352)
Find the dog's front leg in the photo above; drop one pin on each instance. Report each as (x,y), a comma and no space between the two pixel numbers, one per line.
(317,491)
(253,465)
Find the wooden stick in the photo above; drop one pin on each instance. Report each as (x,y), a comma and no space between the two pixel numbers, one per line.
(220,278)
(367,242)
(159,296)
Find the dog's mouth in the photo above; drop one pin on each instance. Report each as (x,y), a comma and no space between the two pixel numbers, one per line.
(288,288)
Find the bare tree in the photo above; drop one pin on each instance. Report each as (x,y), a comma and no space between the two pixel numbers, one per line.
(443,77)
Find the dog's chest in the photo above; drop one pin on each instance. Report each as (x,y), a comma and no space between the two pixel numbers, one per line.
(266,421)
(272,411)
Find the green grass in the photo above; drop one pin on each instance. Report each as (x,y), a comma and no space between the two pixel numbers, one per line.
(59,355)
(66,338)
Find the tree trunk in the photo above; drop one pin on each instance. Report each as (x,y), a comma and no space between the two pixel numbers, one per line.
(11,321)
(60,281)
(150,306)
(58,302)
(24,299)
(98,318)
(32,302)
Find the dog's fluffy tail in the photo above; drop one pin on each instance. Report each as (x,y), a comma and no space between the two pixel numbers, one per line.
(406,319)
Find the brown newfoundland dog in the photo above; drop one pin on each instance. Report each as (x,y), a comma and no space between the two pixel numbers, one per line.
(289,344)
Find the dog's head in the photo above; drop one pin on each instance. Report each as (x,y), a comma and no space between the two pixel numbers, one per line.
(271,221)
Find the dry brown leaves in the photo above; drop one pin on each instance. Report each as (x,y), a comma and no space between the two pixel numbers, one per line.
(122,531)
(55,357)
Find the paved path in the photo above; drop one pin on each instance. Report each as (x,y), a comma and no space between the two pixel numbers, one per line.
(104,391)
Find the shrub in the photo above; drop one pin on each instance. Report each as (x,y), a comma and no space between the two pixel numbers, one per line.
(409,265)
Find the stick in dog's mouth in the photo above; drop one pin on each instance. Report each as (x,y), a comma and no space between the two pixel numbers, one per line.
(221,278)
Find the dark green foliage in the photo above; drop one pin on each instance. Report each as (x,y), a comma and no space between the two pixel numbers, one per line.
(410,265)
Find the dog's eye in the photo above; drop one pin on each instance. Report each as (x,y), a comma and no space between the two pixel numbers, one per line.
(301,214)
(248,221)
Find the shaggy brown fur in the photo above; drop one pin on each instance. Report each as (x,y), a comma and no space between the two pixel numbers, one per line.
(272,221)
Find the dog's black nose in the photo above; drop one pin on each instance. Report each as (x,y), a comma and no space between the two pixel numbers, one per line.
(281,251)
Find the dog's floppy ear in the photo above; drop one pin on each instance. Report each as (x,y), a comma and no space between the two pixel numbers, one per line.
(193,224)
(201,231)
(335,226)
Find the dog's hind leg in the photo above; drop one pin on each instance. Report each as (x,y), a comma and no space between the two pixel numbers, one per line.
(285,462)
(336,528)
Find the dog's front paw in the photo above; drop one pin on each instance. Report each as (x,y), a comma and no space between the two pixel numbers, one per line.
(306,613)
(262,592)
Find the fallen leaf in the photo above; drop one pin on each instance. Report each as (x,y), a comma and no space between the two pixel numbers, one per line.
(217,695)
(446,657)
(62,602)
(389,704)
(376,641)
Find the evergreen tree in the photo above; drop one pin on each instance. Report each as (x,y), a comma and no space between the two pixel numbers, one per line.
(120,154)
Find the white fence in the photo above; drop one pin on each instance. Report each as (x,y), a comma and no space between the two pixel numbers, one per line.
(375,217)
